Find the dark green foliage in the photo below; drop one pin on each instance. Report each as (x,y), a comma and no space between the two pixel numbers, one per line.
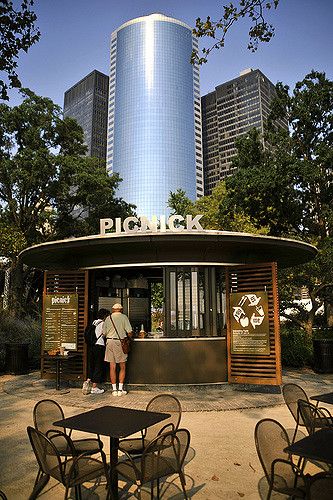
(47,184)
(17,32)
(296,347)
(27,330)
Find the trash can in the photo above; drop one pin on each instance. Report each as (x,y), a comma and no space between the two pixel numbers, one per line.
(16,358)
(323,355)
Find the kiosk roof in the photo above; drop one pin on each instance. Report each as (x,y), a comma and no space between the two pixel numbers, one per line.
(169,248)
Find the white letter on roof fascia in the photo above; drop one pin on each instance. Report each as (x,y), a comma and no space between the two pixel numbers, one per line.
(127,222)
(193,223)
(148,224)
(171,223)
(105,224)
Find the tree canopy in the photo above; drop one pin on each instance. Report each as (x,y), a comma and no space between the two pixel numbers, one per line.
(48,188)
(17,32)
(289,187)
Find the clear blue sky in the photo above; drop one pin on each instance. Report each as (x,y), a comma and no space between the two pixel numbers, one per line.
(76,36)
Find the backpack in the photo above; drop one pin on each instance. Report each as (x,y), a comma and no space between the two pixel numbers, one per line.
(90,335)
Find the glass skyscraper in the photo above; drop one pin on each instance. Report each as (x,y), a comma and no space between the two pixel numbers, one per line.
(154,128)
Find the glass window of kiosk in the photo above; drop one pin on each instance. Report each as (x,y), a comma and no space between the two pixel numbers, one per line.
(176,302)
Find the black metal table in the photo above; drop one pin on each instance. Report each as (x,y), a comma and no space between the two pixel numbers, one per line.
(59,359)
(116,423)
(323,398)
(317,446)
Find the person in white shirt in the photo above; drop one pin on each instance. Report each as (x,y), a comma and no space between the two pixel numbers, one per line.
(97,353)
(116,327)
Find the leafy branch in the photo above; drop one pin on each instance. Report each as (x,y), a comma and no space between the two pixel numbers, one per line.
(260,30)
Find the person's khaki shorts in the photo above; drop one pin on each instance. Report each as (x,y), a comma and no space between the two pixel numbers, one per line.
(114,352)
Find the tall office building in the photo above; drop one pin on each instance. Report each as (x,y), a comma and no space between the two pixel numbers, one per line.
(228,113)
(154,129)
(87,102)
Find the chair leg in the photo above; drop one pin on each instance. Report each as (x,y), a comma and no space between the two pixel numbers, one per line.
(295,433)
(269,491)
(158,487)
(152,490)
(39,486)
(183,482)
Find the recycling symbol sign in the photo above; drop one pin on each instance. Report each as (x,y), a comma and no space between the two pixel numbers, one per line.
(249,323)
(249,311)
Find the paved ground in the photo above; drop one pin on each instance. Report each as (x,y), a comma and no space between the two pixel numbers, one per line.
(222,462)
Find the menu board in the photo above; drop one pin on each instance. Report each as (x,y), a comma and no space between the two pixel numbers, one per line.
(60,320)
(249,323)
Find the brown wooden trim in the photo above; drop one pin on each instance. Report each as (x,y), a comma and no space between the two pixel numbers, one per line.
(277,324)
(69,282)
(264,368)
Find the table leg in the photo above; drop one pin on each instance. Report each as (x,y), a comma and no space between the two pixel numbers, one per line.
(114,445)
(57,374)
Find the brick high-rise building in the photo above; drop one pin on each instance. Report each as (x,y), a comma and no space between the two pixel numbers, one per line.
(229,112)
(87,102)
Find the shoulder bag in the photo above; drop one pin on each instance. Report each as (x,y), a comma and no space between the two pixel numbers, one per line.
(126,342)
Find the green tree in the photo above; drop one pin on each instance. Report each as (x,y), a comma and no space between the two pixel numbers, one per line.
(17,32)
(46,182)
(289,188)
(254,10)
(211,208)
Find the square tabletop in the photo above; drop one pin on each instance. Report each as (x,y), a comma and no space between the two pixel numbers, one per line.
(324,398)
(112,421)
(317,446)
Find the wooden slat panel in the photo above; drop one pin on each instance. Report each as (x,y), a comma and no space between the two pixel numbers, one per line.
(256,369)
(69,282)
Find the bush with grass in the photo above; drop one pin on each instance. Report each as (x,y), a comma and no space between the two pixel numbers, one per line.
(27,330)
(296,347)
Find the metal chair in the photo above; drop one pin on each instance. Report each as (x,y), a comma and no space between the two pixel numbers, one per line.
(164,456)
(291,394)
(314,418)
(320,487)
(48,411)
(71,473)
(164,403)
(281,473)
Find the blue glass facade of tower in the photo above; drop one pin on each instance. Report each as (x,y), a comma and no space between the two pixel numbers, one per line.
(152,125)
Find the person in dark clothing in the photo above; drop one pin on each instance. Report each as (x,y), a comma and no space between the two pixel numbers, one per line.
(97,353)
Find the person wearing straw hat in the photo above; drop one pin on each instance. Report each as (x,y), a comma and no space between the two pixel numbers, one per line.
(116,327)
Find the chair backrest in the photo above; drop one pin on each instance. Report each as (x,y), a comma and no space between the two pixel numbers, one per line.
(270,438)
(291,394)
(165,454)
(320,486)
(46,453)
(45,413)
(312,416)
(164,403)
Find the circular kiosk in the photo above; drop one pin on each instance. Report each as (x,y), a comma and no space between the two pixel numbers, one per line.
(203,304)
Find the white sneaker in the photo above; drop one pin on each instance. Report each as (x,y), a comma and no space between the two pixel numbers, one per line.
(86,387)
(114,393)
(122,393)
(97,390)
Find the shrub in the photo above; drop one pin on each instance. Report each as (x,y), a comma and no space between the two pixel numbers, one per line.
(27,330)
(296,347)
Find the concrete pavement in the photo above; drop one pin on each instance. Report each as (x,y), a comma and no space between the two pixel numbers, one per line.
(222,462)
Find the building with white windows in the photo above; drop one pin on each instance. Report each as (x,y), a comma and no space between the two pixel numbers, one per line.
(154,125)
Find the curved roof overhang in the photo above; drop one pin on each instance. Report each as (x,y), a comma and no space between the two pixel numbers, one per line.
(186,247)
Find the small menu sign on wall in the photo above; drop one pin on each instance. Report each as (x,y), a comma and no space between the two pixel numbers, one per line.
(60,320)
(249,323)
